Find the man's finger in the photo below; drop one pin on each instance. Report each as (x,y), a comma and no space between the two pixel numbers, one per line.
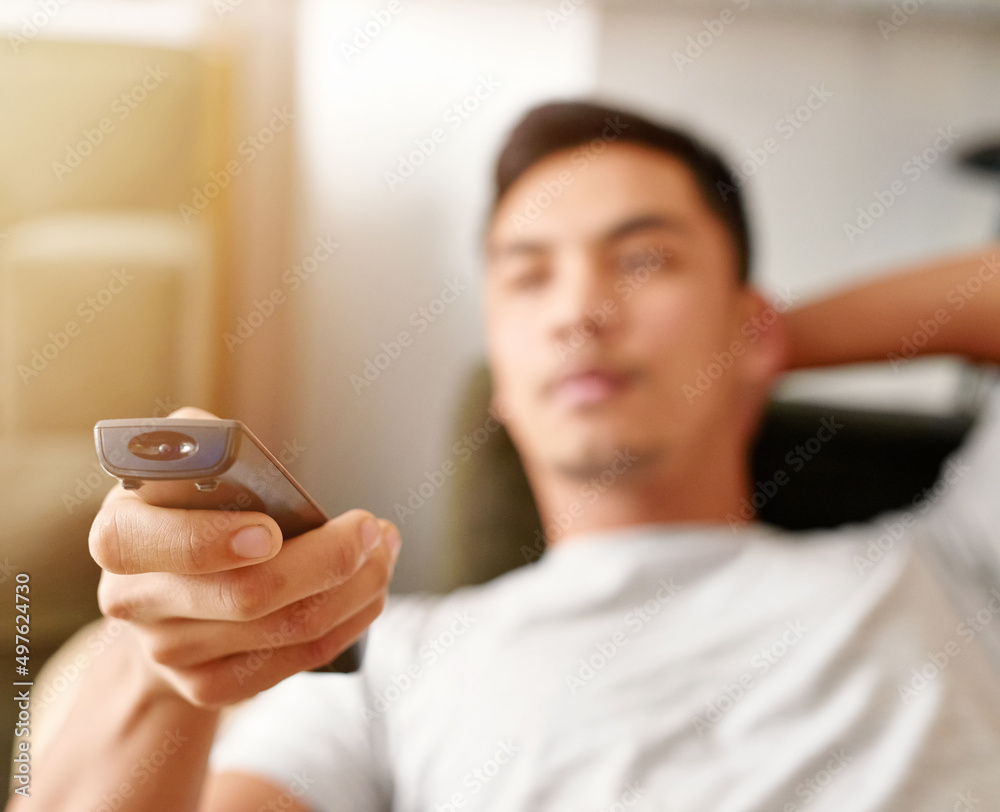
(243,675)
(316,562)
(128,536)
(191,413)
(180,642)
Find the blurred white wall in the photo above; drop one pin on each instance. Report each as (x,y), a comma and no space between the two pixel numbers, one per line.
(364,107)
(887,98)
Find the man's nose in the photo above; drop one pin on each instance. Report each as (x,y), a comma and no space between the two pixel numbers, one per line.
(587,303)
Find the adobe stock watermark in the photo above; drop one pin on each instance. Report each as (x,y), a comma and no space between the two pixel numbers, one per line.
(589,493)
(481,776)
(461,452)
(797,459)
(222,8)
(580,159)
(427,655)
(296,788)
(760,664)
(711,30)
(31,25)
(420,319)
(291,280)
(912,170)
(625,289)
(751,330)
(937,661)
(288,632)
(901,14)
(606,650)
(810,789)
(893,531)
(87,310)
(787,126)
(366,33)
(95,481)
(455,116)
(121,108)
(965,802)
(958,296)
(247,151)
(141,771)
(109,631)
(566,9)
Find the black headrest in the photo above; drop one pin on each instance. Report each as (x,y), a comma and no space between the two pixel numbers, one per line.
(817,466)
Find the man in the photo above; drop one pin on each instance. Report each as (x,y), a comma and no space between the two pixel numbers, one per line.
(654,657)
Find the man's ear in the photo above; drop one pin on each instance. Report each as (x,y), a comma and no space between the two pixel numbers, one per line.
(765,339)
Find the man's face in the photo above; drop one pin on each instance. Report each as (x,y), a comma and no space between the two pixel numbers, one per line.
(608,289)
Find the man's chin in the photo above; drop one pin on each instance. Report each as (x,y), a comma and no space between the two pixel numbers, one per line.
(601,459)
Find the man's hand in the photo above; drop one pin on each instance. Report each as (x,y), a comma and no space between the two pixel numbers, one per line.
(225,610)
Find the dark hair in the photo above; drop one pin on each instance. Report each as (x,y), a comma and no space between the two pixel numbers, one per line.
(556,126)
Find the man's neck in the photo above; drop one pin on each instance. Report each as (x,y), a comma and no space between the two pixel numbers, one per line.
(628,493)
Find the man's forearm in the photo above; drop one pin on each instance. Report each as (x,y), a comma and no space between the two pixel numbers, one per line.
(948,306)
(124,744)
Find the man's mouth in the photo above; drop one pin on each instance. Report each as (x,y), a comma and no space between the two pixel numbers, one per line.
(588,387)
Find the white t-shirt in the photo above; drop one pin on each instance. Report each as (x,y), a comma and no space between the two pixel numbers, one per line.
(676,667)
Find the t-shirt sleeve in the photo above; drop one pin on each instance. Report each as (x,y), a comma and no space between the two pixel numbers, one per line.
(965,501)
(307,735)
(320,737)
(958,527)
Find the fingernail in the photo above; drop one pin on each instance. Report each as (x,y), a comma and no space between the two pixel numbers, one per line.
(370,534)
(252,542)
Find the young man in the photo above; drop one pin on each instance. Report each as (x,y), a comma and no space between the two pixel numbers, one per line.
(654,657)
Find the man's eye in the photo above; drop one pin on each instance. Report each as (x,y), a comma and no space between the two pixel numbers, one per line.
(528,278)
(634,261)
(648,260)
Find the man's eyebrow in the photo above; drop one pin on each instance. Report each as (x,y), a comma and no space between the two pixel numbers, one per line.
(516,248)
(641,223)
